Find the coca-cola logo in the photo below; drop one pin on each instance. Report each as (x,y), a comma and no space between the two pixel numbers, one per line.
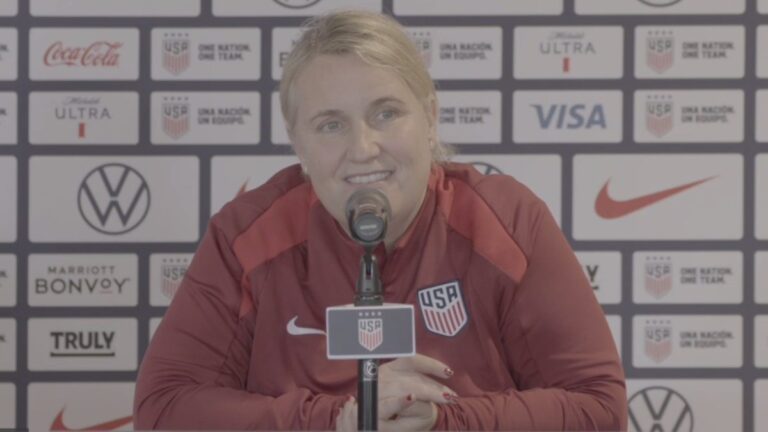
(97,54)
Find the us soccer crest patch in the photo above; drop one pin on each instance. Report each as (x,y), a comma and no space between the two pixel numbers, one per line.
(442,308)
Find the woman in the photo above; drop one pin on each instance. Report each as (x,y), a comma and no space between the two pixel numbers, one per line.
(525,345)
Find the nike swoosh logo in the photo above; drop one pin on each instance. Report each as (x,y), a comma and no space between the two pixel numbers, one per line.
(609,208)
(295,330)
(58,424)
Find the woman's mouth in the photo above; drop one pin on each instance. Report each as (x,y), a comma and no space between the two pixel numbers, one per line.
(368,178)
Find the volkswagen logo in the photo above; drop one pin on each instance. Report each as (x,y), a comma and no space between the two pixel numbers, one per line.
(113,199)
(659,409)
(486,168)
(297,4)
(660,3)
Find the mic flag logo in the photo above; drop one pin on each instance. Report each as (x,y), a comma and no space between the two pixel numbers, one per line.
(113,199)
(175,116)
(423,41)
(660,50)
(172,271)
(658,276)
(442,308)
(659,118)
(176,52)
(658,340)
(370,331)
(660,409)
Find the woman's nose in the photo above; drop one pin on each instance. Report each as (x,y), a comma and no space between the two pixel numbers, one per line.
(364,145)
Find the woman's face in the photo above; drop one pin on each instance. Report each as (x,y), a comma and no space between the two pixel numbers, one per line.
(358,126)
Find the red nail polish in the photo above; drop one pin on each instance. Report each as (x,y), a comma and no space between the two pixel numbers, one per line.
(448,396)
(409,398)
(448,372)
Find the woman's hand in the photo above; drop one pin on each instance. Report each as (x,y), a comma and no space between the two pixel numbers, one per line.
(407,395)
(395,414)
(411,375)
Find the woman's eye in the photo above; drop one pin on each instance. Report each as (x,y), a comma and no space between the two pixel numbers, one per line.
(387,114)
(331,126)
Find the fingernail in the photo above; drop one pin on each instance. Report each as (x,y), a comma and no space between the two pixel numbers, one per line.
(409,398)
(350,398)
(447,396)
(448,372)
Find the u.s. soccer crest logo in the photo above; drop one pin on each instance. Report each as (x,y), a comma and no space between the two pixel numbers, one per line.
(172,273)
(176,52)
(660,51)
(442,308)
(658,340)
(658,276)
(370,332)
(659,116)
(423,41)
(175,117)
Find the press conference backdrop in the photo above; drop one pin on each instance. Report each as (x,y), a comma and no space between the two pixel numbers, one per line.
(643,124)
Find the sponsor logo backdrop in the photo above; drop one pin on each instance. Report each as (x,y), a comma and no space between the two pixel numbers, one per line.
(124,125)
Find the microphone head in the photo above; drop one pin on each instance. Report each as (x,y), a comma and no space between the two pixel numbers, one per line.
(367,213)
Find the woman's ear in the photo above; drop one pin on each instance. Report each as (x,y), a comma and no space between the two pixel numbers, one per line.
(299,155)
(432,119)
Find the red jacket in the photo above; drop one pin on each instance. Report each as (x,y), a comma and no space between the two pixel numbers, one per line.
(532,349)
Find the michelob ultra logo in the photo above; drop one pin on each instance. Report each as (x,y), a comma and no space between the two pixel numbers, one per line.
(84,118)
(568,52)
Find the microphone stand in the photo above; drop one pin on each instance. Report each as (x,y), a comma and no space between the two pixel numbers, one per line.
(368,294)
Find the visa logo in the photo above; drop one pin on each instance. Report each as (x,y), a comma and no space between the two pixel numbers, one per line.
(564,116)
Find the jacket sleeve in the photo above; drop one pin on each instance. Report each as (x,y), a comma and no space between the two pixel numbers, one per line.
(559,348)
(194,372)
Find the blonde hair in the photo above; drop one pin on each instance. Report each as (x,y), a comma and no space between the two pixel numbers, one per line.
(376,39)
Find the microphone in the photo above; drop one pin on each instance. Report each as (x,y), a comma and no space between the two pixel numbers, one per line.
(367,215)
